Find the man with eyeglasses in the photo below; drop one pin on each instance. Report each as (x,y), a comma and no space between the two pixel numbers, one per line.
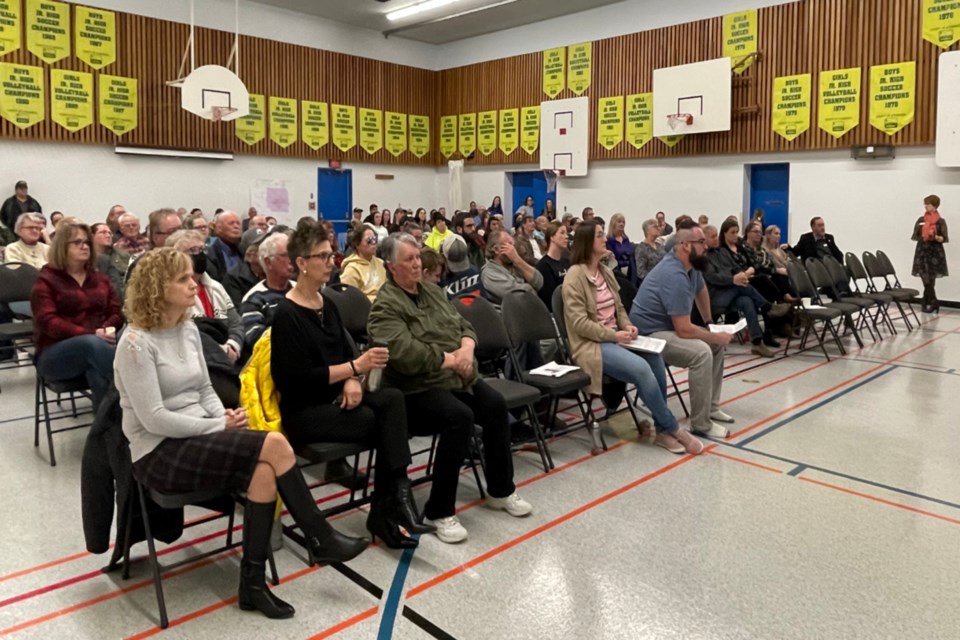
(131,241)
(662,308)
(161,224)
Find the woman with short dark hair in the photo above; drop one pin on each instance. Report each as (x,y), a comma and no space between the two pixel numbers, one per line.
(929,258)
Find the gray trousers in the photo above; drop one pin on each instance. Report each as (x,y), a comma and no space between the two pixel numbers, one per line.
(705,363)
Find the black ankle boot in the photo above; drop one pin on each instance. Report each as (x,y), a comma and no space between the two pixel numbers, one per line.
(325,543)
(381,525)
(254,594)
(406,509)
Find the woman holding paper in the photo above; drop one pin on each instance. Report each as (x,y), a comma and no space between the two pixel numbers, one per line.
(929,258)
(598,330)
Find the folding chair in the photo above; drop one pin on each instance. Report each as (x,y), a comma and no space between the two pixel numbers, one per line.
(886,265)
(821,281)
(354,309)
(847,288)
(858,272)
(875,269)
(75,388)
(810,317)
(16,283)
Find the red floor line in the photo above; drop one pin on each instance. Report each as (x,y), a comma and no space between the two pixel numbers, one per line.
(746,462)
(45,565)
(890,503)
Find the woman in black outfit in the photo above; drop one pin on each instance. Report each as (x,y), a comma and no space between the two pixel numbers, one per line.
(929,258)
(321,387)
(555,262)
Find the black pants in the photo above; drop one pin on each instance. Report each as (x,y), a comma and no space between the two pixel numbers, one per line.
(452,414)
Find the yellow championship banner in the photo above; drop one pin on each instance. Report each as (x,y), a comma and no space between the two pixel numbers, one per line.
(893,95)
(610,121)
(118,103)
(639,119)
(941,22)
(670,141)
(839,107)
(283,120)
(395,138)
(554,64)
(315,129)
(579,64)
(344,120)
(487,132)
(791,105)
(71,98)
(48,29)
(468,134)
(530,129)
(9,26)
(96,37)
(419,135)
(448,135)
(371,130)
(740,38)
(252,128)
(21,94)
(509,130)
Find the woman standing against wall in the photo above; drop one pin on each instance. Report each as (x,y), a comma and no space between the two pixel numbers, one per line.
(929,258)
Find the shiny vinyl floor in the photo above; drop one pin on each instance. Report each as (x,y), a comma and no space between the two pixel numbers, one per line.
(833,511)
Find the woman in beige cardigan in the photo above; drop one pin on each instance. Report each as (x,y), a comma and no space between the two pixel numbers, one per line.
(598,327)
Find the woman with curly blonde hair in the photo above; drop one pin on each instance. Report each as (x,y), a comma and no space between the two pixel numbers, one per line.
(183,440)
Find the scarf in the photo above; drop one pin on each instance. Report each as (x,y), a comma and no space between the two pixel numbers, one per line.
(930,221)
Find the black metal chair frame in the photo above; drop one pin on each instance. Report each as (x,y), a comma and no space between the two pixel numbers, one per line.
(76,388)
(800,282)
(840,275)
(875,269)
(859,272)
(821,280)
(16,282)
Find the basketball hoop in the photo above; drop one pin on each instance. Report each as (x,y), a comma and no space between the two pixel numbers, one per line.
(219,113)
(679,121)
(551,177)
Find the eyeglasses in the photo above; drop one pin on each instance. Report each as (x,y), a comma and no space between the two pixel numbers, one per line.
(79,243)
(700,241)
(31,228)
(326,256)
(371,240)
(194,251)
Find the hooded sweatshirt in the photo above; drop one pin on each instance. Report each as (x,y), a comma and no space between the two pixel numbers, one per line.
(366,275)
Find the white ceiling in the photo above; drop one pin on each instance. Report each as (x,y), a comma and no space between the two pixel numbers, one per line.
(432,27)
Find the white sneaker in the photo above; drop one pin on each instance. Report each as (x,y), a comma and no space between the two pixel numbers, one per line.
(722,416)
(449,530)
(512,504)
(714,431)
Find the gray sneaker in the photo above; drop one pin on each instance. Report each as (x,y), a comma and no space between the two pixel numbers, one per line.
(713,431)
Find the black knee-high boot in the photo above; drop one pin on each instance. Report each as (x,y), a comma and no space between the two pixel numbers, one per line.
(405,507)
(254,592)
(326,543)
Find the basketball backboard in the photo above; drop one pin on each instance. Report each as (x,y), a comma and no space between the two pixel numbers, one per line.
(565,136)
(948,116)
(692,98)
(215,92)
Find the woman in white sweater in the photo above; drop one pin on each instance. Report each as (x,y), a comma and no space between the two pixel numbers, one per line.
(183,440)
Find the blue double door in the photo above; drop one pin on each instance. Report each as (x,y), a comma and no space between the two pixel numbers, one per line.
(770,191)
(529,183)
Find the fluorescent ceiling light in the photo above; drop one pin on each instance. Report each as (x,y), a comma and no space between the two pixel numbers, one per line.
(173,153)
(414,9)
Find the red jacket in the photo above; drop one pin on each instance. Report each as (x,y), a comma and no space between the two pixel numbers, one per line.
(63,309)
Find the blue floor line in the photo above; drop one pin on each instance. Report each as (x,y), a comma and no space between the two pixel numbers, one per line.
(392,603)
(815,406)
(908,365)
(797,470)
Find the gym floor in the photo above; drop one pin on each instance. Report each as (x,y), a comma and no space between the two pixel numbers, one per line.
(832,511)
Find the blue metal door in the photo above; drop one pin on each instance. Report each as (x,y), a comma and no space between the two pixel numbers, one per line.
(335,198)
(529,183)
(770,191)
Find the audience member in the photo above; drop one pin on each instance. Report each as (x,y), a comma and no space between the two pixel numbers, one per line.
(439,232)
(223,254)
(260,303)
(526,209)
(108,260)
(463,277)
(20,202)
(28,248)
(549,210)
(587,214)
(621,247)
(161,224)
(113,220)
(818,243)
(251,215)
(496,206)
(375,222)
(771,281)
(494,223)
(555,263)
(132,242)
(434,265)
(528,248)
(505,271)
(420,217)
(649,253)
(703,220)
(362,268)
(668,240)
(771,243)
(197,222)
(465,226)
(413,229)
(55,219)
(665,228)
(271,222)
(249,272)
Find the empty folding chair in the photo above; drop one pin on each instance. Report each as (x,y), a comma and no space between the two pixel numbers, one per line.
(821,281)
(810,317)
(16,283)
(846,288)
(858,273)
(875,269)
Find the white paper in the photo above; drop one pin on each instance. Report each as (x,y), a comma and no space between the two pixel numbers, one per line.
(646,343)
(553,370)
(729,328)
(812,306)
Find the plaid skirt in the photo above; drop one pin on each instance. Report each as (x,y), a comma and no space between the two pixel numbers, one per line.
(224,460)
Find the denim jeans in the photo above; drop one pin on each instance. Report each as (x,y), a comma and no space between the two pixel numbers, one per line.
(648,373)
(87,356)
(745,301)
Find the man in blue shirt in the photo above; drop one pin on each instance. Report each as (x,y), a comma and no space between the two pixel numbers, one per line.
(662,309)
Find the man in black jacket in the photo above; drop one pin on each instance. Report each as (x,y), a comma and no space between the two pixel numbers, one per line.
(817,244)
(19,202)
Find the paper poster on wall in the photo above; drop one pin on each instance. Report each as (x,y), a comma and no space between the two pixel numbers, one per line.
(48,29)
(468,134)
(554,64)
(892,96)
(639,119)
(9,26)
(371,130)
(530,129)
(941,22)
(791,105)
(344,121)
(315,129)
(271,197)
(448,135)
(487,132)
(839,105)
(71,98)
(96,37)
(419,135)
(283,120)
(580,63)
(610,121)
(670,141)
(509,131)
(740,38)
(21,94)
(252,128)
(118,103)
(395,134)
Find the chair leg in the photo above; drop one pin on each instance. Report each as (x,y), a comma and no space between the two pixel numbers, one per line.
(819,337)
(903,314)
(473,464)
(598,442)
(545,457)
(36,412)
(676,390)
(836,338)
(46,420)
(154,563)
(126,540)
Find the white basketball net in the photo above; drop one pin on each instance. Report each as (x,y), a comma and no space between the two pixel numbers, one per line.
(551,177)
(217,113)
(679,120)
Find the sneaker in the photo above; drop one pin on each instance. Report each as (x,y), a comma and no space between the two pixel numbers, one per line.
(721,416)
(668,442)
(512,504)
(449,530)
(762,350)
(713,431)
(690,444)
(779,310)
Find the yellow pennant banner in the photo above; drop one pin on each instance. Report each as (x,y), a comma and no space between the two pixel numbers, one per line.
(509,130)
(468,134)
(791,105)
(941,22)
(48,29)
(448,135)
(487,132)
(839,108)
(554,63)
(9,26)
(252,128)
(396,135)
(315,129)
(530,129)
(344,118)
(579,65)
(371,130)
(893,95)
(740,38)
(118,103)
(670,141)
(610,122)
(71,98)
(21,94)
(283,120)
(639,119)
(419,135)
(96,36)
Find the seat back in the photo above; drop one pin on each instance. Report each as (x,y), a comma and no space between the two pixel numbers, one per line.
(800,281)
(527,318)
(872,265)
(820,277)
(492,338)
(354,309)
(838,274)
(16,281)
(857,272)
(887,266)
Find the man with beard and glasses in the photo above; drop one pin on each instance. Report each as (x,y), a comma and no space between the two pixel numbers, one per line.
(662,309)
(465,226)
